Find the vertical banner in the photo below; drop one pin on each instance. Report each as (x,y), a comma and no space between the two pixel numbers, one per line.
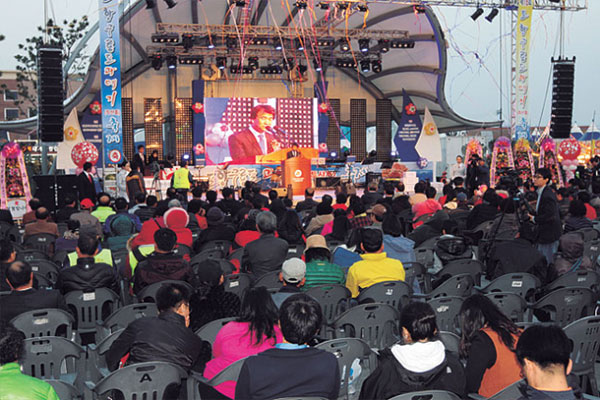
(525,12)
(198,121)
(409,130)
(110,69)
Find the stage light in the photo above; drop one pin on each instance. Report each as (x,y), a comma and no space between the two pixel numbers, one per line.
(343,5)
(393,154)
(490,17)
(301,4)
(419,9)
(376,66)
(317,66)
(231,42)
(253,63)
(477,14)
(299,44)
(150,4)
(365,65)
(344,46)
(185,157)
(277,44)
(324,5)
(363,45)
(157,62)
(170,3)
(288,64)
(328,42)
(221,62)
(384,45)
(270,70)
(165,38)
(362,8)
(403,44)
(333,154)
(198,60)
(187,40)
(172,62)
(259,41)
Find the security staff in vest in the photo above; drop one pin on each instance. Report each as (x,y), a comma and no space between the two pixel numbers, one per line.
(181,181)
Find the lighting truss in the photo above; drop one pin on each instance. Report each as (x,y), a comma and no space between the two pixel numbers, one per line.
(569,5)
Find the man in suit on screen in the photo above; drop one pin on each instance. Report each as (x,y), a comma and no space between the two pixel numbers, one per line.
(294,152)
(257,139)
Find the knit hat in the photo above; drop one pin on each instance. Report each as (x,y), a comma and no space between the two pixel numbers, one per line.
(176,218)
(174,203)
(316,242)
(293,270)
(215,216)
(461,197)
(86,204)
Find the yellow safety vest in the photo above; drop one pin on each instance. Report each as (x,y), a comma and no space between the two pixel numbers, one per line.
(105,256)
(181,179)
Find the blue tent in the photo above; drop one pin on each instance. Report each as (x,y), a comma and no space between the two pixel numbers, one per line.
(592,134)
(576,132)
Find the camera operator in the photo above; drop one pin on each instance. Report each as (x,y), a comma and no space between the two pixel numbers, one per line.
(471,181)
(547,215)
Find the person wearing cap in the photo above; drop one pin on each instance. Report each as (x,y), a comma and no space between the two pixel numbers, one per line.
(376,214)
(375,265)
(177,219)
(324,215)
(319,268)
(217,229)
(267,253)
(292,276)
(87,222)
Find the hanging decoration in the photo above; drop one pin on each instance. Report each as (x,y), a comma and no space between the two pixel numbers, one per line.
(502,160)
(548,159)
(84,152)
(524,163)
(15,191)
(569,150)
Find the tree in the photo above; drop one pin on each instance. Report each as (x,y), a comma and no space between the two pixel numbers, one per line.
(66,36)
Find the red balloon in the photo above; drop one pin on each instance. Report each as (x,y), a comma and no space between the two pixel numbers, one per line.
(84,152)
(569,149)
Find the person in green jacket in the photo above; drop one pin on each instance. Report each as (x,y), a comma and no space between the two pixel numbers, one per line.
(14,385)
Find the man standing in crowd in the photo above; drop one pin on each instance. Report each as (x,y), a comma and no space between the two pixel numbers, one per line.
(267,253)
(139,159)
(547,215)
(459,169)
(257,139)
(181,181)
(85,183)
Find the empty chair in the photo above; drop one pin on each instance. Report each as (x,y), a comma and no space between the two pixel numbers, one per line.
(45,268)
(31,255)
(416,272)
(10,232)
(374,323)
(45,322)
(64,390)
(446,312)
(585,336)
(458,285)
(43,242)
(511,304)
(346,350)
(53,358)
(520,283)
(427,395)
(463,266)
(270,280)
(237,283)
(148,294)
(97,367)
(565,305)
(588,234)
(122,317)
(580,278)
(204,255)
(425,257)
(209,331)
(451,341)
(393,293)
(90,308)
(334,299)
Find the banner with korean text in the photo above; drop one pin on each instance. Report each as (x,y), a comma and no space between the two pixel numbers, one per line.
(525,11)
(110,68)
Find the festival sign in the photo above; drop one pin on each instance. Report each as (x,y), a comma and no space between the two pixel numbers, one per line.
(110,69)
(409,130)
(521,128)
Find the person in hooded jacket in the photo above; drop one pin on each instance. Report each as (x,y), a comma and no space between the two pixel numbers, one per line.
(570,255)
(430,229)
(577,219)
(419,362)
(290,228)
(177,219)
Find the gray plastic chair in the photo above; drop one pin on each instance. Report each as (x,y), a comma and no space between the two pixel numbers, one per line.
(393,293)
(376,324)
(231,373)
(270,280)
(567,304)
(463,266)
(43,242)
(458,285)
(511,304)
(222,245)
(148,380)
(520,283)
(451,341)
(237,283)
(346,350)
(511,392)
(210,254)
(415,270)
(44,358)
(148,294)
(45,268)
(585,335)
(295,251)
(90,308)
(209,331)
(96,363)
(446,312)
(45,322)
(427,395)
(334,299)
(31,255)
(64,390)
(592,250)
(424,256)
(580,278)
(122,317)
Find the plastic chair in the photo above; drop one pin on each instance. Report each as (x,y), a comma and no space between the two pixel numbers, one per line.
(148,294)
(566,305)
(463,266)
(585,335)
(10,232)
(62,228)
(45,357)
(122,317)
(520,283)
(210,254)
(183,250)
(96,363)
(236,257)
(580,278)
(346,350)
(270,280)
(427,395)
(592,250)
(295,251)
(451,341)
(64,390)
(511,392)
(119,258)
(42,281)
(45,322)
(511,304)
(43,242)
(334,299)
(90,308)
(374,323)
(415,270)
(589,234)
(223,245)
(446,312)
(237,283)
(230,373)
(46,268)
(393,293)
(149,380)
(210,330)
(459,285)
(31,255)
(424,256)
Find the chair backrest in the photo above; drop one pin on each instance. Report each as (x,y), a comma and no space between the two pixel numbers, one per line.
(42,281)
(520,283)
(41,241)
(451,341)
(270,280)
(424,256)
(237,283)
(346,350)
(97,356)
(90,308)
(46,268)
(209,254)
(589,234)
(295,251)
(416,271)
(585,335)
(45,357)
(223,245)
(394,293)
(374,323)
(10,232)
(427,395)
(567,304)
(122,317)
(458,285)
(62,227)
(591,249)
(510,392)
(209,330)
(31,255)
(332,298)
(446,312)
(511,304)
(148,294)
(147,380)
(230,373)
(64,390)
(45,322)
(580,278)
(183,250)
(120,258)
(463,266)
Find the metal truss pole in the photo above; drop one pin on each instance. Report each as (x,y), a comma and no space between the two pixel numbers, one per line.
(514,19)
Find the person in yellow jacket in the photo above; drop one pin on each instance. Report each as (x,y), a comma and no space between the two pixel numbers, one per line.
(104,210)
(375,265)
(104,256)
(182,181)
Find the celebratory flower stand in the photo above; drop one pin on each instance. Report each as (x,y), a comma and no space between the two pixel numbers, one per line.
(502,160)
(548,159)
(524,163)
(473,147)
(15,191)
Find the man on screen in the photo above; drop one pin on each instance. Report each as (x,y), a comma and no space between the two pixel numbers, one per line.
(256,139)
(294,152)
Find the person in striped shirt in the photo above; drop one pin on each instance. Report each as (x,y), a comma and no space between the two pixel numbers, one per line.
(319,269)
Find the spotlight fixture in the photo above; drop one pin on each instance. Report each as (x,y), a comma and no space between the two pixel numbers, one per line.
(270,70)
(363,45)
(343,5)
(324,5)
(236,69)
(344,46)
(253,63)
(419,9)
(172,62)
(365,65)
(362,8)
(157,62)
(333,154)
(317,66)
(170,3)
(477,14)
(260,41)
(384,45)
(221,62)
(187,40)
(328,42)
(301,4)
(231,42)
(299,44)
(150,4)
(198,60)
(403,44)
(345,63)
(277,44)
(376,66)
(490,17)
(165,38)
(288,64)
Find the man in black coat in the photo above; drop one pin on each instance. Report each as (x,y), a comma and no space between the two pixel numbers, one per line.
(547,215)
(23,296)
(85,183)
(266,253)
(308,203)
(139,159)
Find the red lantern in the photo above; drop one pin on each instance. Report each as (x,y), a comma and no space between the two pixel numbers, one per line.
(84,152)
(569,149)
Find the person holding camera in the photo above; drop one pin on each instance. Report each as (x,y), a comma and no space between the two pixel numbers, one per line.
(547,215)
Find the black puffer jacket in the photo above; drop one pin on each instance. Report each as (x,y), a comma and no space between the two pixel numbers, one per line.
(87,275)
(529,393)
(160,267)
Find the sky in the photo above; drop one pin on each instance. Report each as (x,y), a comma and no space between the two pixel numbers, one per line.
(474,79)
